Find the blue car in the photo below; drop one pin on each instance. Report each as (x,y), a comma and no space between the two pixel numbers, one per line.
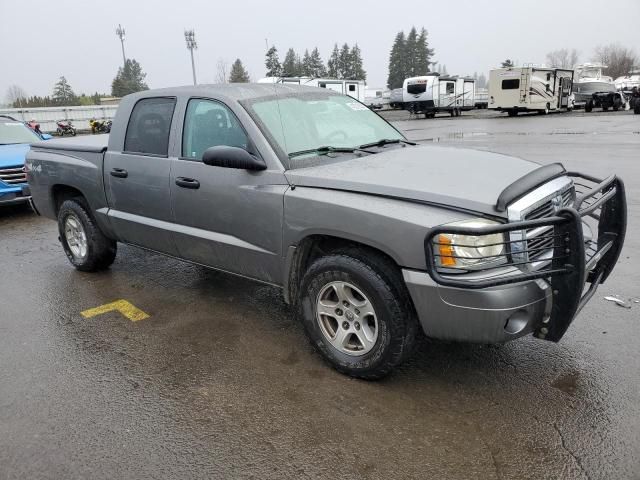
(15,138)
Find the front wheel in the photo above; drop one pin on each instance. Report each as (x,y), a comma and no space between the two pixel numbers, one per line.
(588,106)
(357,314)
(73,132)
(86,247)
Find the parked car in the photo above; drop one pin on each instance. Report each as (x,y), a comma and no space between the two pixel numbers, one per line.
(370,236)
(15,137)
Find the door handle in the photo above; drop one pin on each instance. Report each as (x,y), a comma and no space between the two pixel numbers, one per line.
(119,172)
(187,183)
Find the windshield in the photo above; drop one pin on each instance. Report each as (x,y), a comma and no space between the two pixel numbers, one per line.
(16,132)
(307,122)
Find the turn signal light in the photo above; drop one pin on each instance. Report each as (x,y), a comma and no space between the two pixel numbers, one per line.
(445,248)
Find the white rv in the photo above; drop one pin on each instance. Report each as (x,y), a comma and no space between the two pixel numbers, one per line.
(433,93)
(353,88)
(530,89)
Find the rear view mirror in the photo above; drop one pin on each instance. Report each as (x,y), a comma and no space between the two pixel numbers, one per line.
(232,157)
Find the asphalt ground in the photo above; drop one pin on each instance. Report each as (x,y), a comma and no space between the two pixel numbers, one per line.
(220,382)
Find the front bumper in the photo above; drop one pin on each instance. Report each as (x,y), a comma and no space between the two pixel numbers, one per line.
(491,315)
(14,195)
(498,303)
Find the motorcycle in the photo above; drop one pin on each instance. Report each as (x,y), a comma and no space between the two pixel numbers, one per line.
(35,126)
(65,128)
(100,127)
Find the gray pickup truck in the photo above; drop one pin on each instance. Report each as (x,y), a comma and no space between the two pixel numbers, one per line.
(371,237)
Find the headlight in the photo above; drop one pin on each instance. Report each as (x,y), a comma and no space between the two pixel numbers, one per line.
(457,250)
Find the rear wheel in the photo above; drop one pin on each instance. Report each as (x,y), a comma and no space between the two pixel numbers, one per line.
(357,313)
(87,248)
(617,103)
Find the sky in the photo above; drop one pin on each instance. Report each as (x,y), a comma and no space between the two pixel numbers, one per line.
(42,40)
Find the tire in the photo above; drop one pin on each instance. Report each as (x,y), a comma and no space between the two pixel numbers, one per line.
(588,107)
(60,132)
(512,113)
(76,223)
(605,108)
(73,132)
(369,280)
(636,108)
(617,103)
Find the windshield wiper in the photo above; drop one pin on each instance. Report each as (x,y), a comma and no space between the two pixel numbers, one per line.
(328,149)
(386,141)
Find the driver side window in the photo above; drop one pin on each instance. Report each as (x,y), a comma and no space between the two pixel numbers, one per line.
(208,123)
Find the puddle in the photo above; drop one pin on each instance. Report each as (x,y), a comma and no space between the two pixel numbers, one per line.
(567,383)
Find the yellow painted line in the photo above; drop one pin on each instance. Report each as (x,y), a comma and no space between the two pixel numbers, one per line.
(125,308)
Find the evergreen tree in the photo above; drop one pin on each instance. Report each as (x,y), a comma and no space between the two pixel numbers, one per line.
(272,62)
(357,69)
(130,79)
(397,72)
(423,54)
(333,69)
(63,93)
(411,53)
(344,62)
(316,65)
(507,63)
(289,66)
(306,67)
(299,68)
(238,73)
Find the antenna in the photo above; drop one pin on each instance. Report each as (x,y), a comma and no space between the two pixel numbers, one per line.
(190,37)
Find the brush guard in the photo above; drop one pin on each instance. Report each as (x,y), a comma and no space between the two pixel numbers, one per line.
(574,270)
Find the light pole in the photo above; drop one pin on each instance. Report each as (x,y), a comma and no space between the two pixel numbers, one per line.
(190,37)
(120,33)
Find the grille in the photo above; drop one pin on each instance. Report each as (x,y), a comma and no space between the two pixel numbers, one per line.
(540,241)
(13,175)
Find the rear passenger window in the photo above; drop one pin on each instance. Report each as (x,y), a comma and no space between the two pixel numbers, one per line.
(209,124)
(149,125)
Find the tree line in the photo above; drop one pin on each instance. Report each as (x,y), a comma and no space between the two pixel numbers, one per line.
(410,56)
(619,59)
(344,63)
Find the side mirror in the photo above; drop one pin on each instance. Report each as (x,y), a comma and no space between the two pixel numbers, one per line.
(232,157)
(46,136)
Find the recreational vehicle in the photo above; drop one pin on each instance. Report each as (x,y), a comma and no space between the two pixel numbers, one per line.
(530,89)
(353,88)
(433,93)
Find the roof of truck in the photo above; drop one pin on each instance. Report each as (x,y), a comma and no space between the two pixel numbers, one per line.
(236,91)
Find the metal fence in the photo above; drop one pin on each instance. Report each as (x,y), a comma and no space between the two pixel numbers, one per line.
(48,116)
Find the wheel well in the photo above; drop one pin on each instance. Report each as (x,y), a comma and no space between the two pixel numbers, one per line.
(60,193)
(315,246)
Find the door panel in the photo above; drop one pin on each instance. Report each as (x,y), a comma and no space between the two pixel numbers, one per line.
(233,219)
(138,179)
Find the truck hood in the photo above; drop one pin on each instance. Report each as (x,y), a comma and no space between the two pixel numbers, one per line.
(13,155)
(450,177)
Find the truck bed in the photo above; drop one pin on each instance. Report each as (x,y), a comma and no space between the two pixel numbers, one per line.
(84,143)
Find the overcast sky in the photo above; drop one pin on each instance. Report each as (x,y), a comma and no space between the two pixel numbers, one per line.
(42,40)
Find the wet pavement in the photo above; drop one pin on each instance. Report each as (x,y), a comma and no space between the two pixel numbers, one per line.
(220,382)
